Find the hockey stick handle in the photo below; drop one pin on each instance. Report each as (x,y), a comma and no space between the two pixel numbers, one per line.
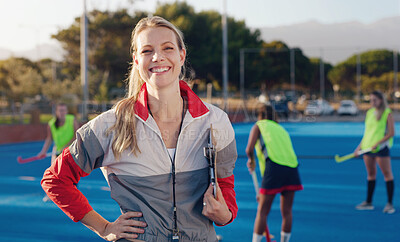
(361,152)
(255,181)
(33,158)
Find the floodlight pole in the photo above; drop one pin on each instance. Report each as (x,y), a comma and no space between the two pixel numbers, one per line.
(292,73)
(84,63)
(322,76)
(358,78)
(395,70)
(242,74)
(224,55)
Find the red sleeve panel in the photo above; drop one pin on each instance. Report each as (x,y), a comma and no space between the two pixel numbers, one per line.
(227,188)
(59,182)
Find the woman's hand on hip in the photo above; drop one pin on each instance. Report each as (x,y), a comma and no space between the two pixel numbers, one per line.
(216,209)
(124,227)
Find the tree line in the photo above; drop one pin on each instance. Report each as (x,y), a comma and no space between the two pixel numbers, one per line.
(109,57)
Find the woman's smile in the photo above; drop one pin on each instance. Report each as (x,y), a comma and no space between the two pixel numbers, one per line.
(159,69)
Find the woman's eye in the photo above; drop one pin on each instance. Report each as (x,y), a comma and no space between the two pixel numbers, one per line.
(146,51)
(169,48)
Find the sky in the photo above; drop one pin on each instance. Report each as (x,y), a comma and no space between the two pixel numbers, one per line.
(25,24)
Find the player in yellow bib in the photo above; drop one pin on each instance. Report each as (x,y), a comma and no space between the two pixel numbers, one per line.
(278,166)
(378,135)
(60,130)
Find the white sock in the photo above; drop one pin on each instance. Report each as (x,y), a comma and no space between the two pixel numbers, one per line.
(257,237)
(285,236)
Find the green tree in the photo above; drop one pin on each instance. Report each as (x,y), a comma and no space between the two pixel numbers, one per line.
(20,78)
(383,82)
(272,65)
(315,83)
(375,64)
(57,85)
(63,90)
(109,46)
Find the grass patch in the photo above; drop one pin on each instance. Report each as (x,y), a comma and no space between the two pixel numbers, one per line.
(26,119)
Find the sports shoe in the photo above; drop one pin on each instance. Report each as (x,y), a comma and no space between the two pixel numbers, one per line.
(365,206)
(389,208)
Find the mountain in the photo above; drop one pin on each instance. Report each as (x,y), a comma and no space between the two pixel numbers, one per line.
(5,54)
(51,51)
(337,41)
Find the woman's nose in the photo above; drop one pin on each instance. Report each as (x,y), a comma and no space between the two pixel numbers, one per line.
(157,57)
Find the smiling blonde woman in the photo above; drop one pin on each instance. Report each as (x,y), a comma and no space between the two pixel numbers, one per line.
(150,148)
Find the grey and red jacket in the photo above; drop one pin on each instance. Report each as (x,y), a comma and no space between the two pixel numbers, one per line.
(143,182)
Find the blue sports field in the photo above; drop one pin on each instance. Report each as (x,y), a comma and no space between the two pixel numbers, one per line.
(323,211)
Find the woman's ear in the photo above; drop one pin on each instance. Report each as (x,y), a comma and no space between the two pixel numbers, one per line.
(182,54)
(135,61)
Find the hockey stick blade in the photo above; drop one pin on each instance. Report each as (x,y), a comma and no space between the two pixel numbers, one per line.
(340,159)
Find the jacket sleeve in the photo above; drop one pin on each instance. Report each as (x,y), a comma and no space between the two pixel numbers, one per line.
(226,156)
(59,182)
(227,189)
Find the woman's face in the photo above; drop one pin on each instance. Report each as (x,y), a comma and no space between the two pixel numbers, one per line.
(158,57)
(61,111)
(375,101)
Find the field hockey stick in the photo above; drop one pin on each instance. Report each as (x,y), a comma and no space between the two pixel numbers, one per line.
(340,159)
(33,158)
(268,236)
(255,181)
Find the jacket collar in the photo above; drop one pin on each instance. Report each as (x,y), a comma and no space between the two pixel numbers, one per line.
(195,106)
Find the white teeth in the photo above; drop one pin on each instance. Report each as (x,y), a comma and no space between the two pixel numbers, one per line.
(158,70)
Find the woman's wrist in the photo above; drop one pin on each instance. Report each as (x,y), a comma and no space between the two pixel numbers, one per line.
(96,223)
(103,232)
(227,222)
(230,217)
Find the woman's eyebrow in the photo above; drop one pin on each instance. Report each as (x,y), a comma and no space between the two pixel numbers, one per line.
(167,42)
(164,43)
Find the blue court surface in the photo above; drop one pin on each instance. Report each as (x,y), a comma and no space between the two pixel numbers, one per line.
(323,211)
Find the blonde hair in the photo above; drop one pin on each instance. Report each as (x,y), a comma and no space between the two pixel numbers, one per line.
(383,106)
(124,127)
